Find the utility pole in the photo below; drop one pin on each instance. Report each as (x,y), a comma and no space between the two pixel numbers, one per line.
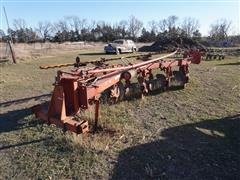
(11,39)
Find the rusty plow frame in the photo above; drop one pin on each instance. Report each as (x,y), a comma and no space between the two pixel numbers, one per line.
(78,89)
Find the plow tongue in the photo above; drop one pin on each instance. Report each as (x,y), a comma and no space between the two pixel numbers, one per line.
(68,124)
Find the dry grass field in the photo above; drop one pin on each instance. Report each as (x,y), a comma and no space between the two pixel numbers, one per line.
(192,133)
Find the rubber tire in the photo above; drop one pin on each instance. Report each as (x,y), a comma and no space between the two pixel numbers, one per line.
(118,51)
(133,50)
(182,80)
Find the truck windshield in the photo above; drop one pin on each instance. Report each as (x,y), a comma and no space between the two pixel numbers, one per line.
(118,42)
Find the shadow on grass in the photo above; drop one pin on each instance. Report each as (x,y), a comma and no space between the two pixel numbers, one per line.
(171,88)
(229,64)
(205,150)
(24,143)
(93,54)
(14,120)
(101,54)
(23,100)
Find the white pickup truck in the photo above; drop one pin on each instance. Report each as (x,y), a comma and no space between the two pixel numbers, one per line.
(119,46)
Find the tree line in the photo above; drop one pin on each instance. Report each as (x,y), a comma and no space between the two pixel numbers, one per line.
(73,28)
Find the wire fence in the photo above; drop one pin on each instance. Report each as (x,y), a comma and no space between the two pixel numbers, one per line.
(5,53)
(35,50)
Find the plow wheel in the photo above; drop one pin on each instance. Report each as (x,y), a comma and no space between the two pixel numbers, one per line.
(133,90)
(178,79)
(161,79)
(117,92)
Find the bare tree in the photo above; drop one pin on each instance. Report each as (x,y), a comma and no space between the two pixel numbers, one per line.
(20,30)
(92,25)
(75,23)
(189,26)
(19,24)
(134,26)
(162,25)
(72,22)
(61,25)
(83,23)
(2,34)
(61,29)
(123,25)
(153,26)
(171,23)
(44,29)
(220,29)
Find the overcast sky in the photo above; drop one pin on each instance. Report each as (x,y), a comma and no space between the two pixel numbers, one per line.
(115,10)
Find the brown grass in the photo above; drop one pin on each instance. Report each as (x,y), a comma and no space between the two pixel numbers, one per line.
(163,136)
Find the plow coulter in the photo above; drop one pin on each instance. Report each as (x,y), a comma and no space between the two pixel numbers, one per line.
(78,89)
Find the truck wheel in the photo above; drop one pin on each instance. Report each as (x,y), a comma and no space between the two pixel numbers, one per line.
(133,50)
(118,51)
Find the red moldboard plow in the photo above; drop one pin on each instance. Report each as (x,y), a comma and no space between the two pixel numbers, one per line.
(81,88)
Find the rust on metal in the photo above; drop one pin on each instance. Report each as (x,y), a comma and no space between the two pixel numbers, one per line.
(100,62)
(78,89)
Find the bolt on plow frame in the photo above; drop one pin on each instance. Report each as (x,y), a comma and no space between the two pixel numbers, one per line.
(78,89)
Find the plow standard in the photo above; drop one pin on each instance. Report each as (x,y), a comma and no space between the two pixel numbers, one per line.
(78,89)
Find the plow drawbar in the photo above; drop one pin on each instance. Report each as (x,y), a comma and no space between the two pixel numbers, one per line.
(80,88)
